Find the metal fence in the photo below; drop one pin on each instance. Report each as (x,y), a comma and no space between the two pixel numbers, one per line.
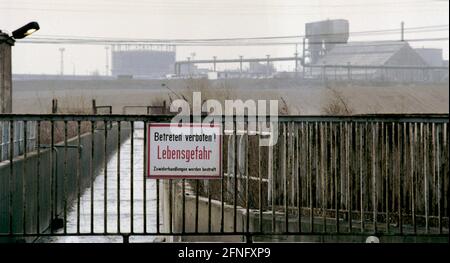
(385,73)
(384,175)
(21,131)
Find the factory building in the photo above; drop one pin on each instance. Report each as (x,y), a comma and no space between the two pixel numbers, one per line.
(332,57)
(433,56)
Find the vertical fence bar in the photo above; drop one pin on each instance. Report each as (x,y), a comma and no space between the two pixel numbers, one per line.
(132,183)
(183,206)
(374,127)
(297,175)
(222,196)
(433,163)
(170,207)
(342,169)
(157,207)
(24,176)
(412,148)
(118,174)
(222,187)
(317,164)
(11,175)
(348,166)
(439,184)
(386,172)
(271,170)
(310,181)
(38,184)
(105,183)
(65,177)
(284,169)
(399,179)
(335,172)
(209,207)
(144,179)
(444,179)
(407,164)
(260,182)
(197,193)
(437,151)
(299,181)
(53,179)
(247,185)
(78,175)
(425,174)
(392,162)
(91,174)
(361,175)
(323,164)
(235,178)
(403,163)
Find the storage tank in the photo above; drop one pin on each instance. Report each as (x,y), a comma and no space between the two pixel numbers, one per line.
(143,60)
(323,35)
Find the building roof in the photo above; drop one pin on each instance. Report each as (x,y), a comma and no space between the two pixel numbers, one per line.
(374,53)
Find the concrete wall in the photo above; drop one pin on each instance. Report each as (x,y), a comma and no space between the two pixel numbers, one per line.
(26,187)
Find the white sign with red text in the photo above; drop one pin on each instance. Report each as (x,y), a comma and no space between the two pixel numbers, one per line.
(184,151)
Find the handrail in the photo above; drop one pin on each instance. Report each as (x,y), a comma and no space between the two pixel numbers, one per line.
(440,118)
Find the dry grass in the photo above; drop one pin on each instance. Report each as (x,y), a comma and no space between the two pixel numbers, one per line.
(337,104)
(78,105)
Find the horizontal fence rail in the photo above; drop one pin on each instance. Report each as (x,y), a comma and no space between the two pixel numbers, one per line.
(383,175)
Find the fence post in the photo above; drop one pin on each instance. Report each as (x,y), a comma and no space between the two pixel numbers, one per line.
(54,106)
(94,107)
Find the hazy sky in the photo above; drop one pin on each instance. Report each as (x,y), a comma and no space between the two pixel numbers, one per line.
(200,19)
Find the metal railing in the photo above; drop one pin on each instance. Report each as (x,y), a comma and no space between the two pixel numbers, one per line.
(22,131)
(386,73)
(384,175)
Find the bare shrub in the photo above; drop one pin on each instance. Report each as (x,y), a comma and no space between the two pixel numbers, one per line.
(284,109)
(338,104)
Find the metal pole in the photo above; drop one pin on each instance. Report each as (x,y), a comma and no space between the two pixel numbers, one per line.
(107,61)
(268,64)
(240,64)
(296,63)
(303,57)
(189,65)
(214,63)
(62,60)
(403,31)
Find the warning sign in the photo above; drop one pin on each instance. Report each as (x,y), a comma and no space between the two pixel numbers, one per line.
(187,151)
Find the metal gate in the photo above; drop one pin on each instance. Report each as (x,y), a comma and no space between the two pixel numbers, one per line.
(329,178)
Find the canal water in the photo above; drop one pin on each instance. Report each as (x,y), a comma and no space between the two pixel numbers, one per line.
(112,203)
